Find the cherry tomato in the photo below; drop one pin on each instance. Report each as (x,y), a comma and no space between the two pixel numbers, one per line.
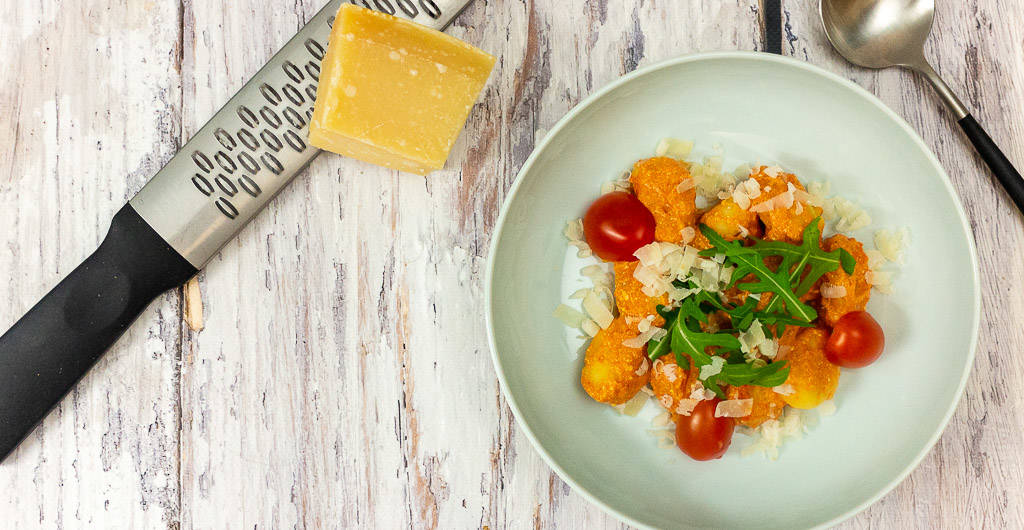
(616,225)
(701,435)
(857,340)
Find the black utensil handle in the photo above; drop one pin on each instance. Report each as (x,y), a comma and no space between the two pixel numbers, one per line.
(1008,176)
(58,340)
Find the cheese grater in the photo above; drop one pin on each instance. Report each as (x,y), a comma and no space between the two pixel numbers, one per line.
(229,171)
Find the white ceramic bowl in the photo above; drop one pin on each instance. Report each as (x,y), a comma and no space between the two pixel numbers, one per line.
(756,108)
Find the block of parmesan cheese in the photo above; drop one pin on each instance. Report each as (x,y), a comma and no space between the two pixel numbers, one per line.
(393,92)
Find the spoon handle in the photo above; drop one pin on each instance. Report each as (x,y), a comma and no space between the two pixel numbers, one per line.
(1008,176)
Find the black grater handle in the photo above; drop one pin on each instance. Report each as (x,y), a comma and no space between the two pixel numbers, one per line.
(46,352)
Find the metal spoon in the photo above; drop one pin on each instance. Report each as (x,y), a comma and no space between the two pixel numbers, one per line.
(884,33)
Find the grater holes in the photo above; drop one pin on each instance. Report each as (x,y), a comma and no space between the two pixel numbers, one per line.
(294,141)
(271,140)
(293,95)
(227,208)
(225,162)
(315,49)
(225,139)
(311,92)
(293,118)
(293,72)
(430,8)
(247,116)
(309,114)
(313,70)
(202,184)
(202,161)
(330,22)
(270,116)
(248,140)
(226,185)
(385,6)
(272,163)
(407,7)
(248,163)
(270,94)
(250,186)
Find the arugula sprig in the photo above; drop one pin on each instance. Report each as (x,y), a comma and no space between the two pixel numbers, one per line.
(691,346)
(807,262)
(800,268)
(749,261)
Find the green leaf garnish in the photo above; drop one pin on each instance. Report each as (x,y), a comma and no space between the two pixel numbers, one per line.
(690,346)
(800,267)
(806,262)
(748,260)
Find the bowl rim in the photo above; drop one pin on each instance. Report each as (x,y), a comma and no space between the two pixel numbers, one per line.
(713,56)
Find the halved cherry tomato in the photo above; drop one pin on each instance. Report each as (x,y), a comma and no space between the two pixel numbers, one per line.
(616,225)
(701,435)
(857,340)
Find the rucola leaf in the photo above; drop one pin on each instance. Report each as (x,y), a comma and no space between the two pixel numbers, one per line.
(749,261)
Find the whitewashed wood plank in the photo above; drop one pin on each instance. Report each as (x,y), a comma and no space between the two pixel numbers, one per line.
(377,402)
(975,475)
(343,379)
(88,111)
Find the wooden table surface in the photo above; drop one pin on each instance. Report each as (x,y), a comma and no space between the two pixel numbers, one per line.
(343,378)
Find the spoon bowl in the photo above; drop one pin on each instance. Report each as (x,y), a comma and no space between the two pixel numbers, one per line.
(879,33)
(884,33)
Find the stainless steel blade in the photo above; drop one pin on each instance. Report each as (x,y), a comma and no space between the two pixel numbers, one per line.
(256,144)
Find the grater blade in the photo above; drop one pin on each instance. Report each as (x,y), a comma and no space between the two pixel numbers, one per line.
(256,144)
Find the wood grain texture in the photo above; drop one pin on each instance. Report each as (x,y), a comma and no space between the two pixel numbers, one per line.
(975,475)
(89,110)
(343,378)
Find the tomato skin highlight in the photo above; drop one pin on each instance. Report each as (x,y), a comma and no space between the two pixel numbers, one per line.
(616,225)
(701,435)
(857,341)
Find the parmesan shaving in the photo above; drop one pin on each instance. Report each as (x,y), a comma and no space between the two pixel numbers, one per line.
(674,148)
(620,184)
(686,185)
(891,244)
(709,177)
(649,255)
(569,316)
(714,368)
(734,408)
(685,406)
(598,309)
(881,281)
(688,234)
(875,259)
(644,366)
(829,290)
(671,371)
(784,390)
(590,327)
(699,393)
(574,233)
